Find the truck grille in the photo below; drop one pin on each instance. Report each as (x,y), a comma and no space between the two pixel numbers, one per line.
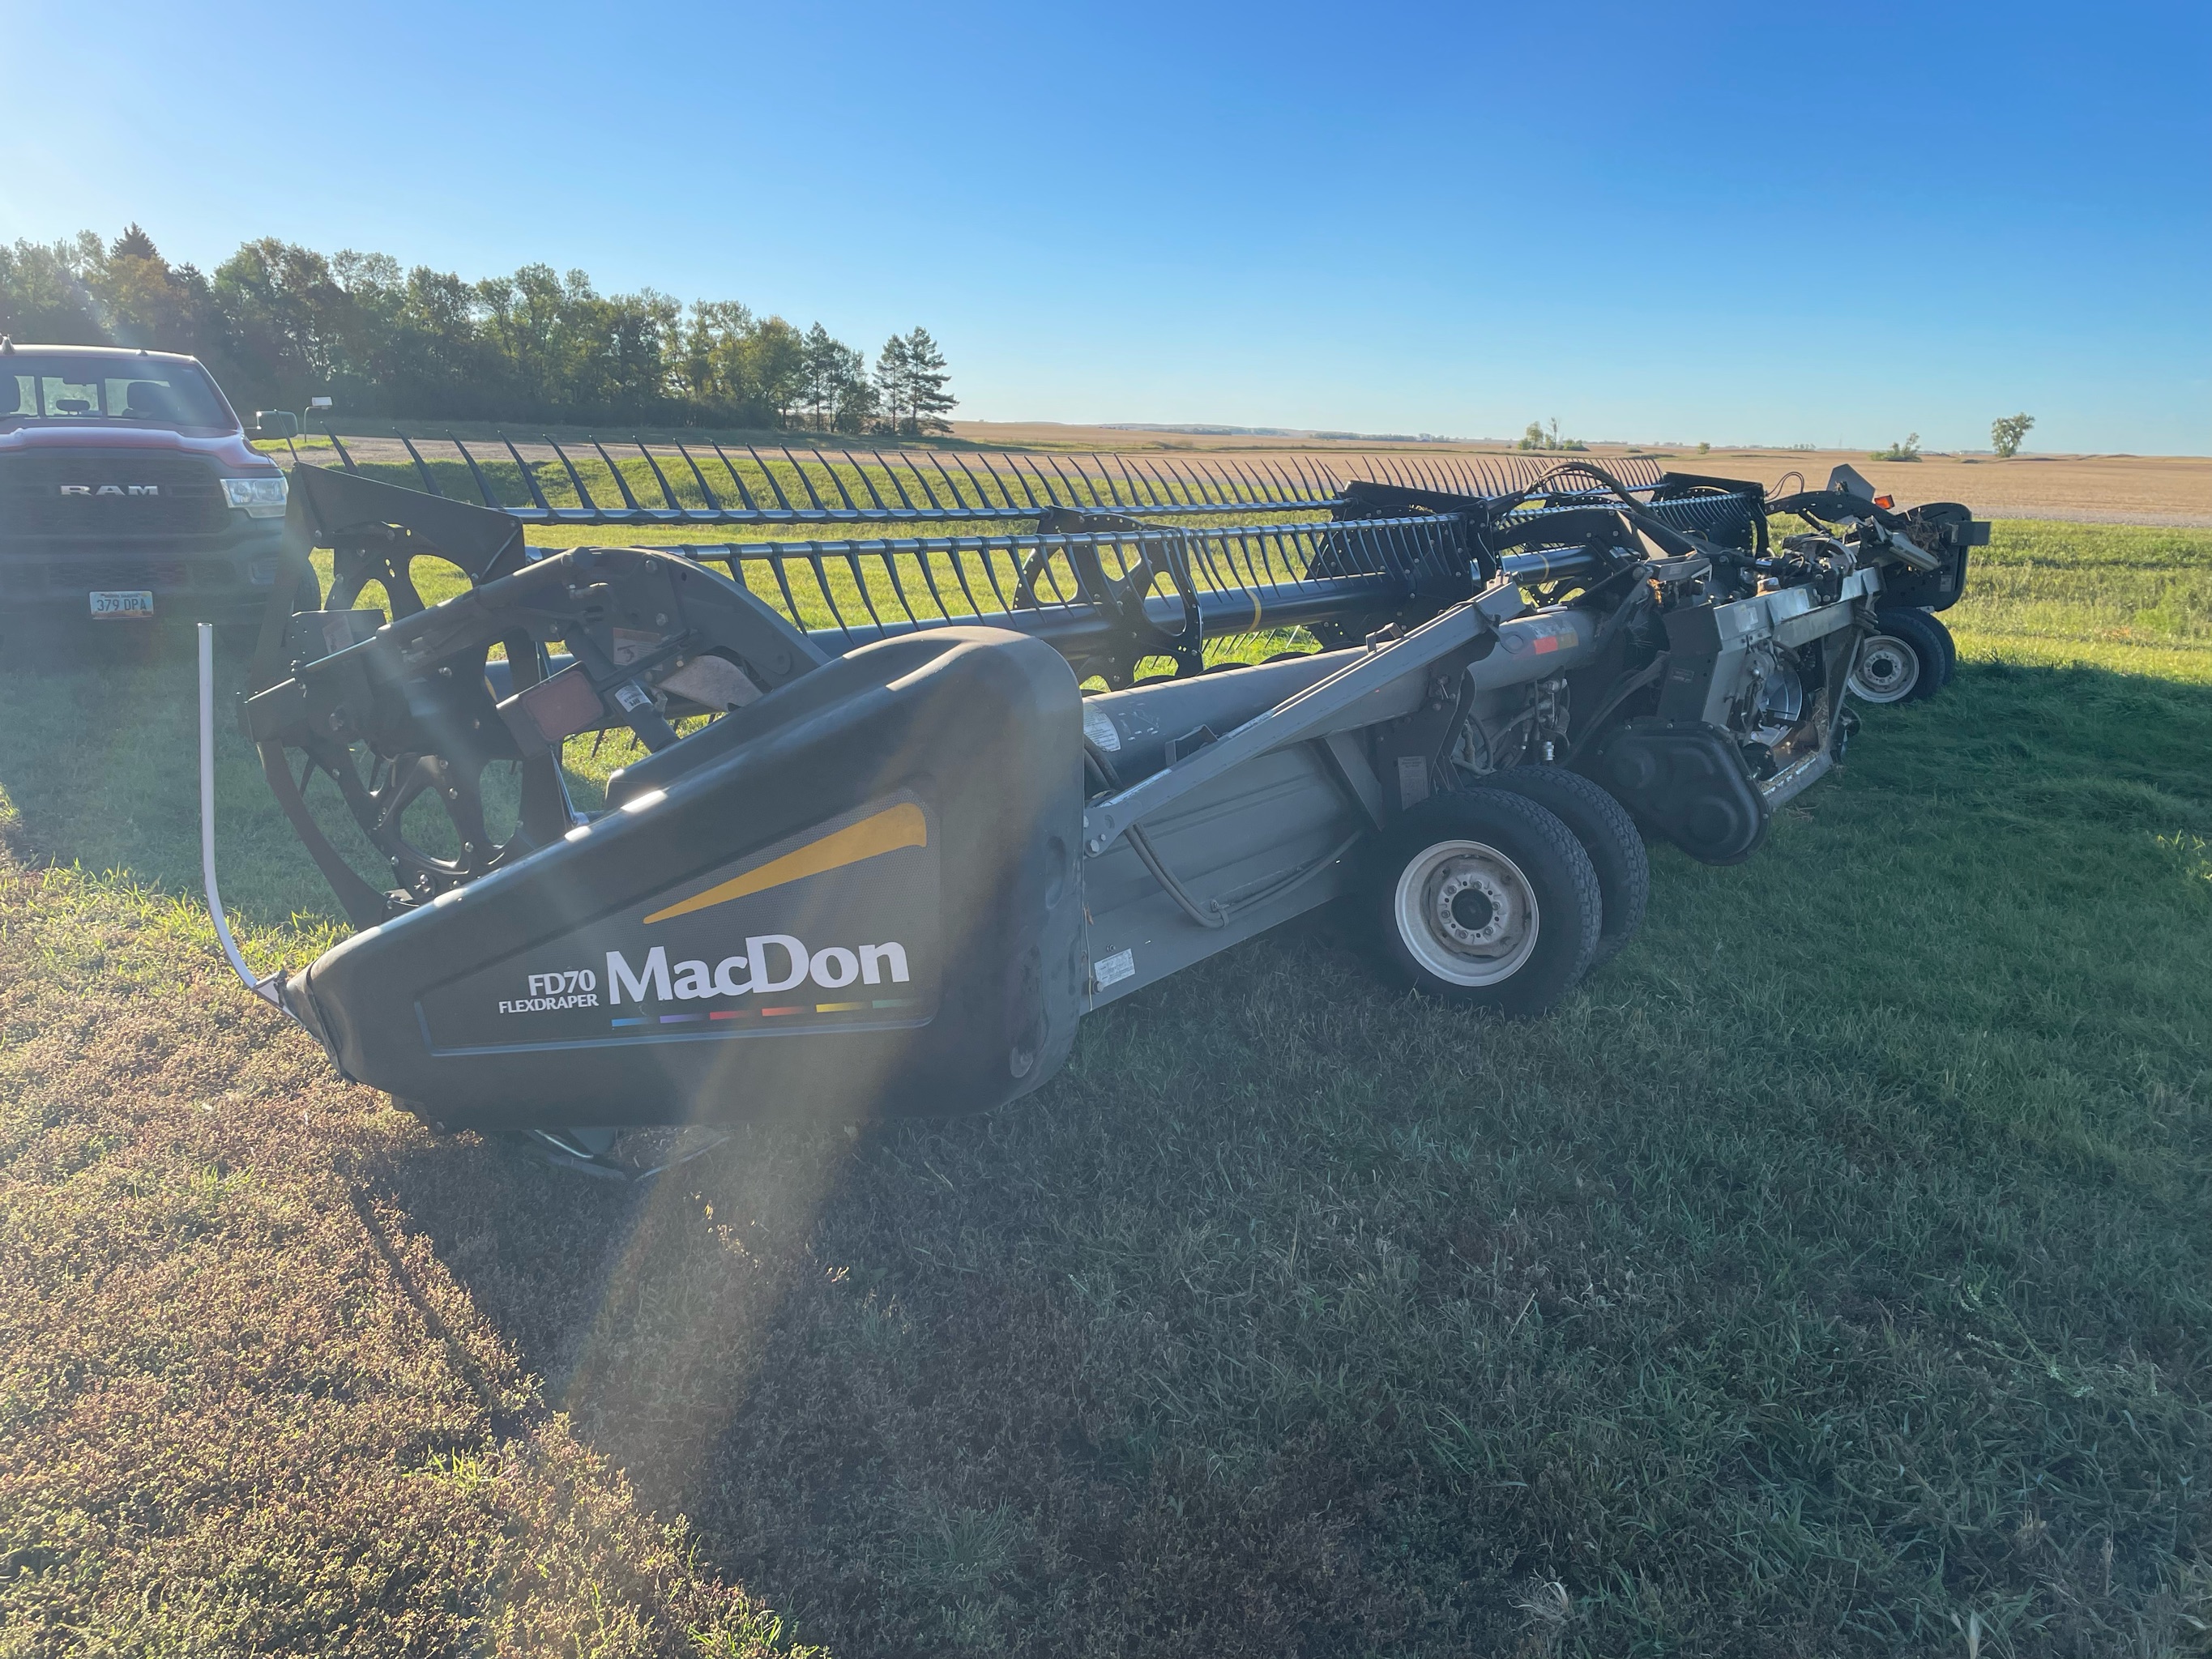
(177,496)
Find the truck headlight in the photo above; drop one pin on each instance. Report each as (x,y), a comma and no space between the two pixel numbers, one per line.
(262,498)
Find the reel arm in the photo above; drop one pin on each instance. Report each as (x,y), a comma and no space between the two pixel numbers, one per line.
(411,710)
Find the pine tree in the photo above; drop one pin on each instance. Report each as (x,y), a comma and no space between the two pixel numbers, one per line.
(820,365)
(133,244)
(927,400)
(892,382)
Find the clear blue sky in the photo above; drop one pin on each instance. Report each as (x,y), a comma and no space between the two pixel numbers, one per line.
(1768,223)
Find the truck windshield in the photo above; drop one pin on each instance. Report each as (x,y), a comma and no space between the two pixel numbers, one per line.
(107,390)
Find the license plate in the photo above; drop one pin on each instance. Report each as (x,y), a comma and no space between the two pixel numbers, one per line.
(137,603)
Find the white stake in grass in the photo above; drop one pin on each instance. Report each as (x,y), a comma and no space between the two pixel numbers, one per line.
(263,988)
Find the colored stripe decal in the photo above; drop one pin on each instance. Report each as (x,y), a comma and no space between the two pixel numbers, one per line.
(886,832)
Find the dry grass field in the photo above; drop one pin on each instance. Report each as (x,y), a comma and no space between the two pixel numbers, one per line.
(2142,489)
(2171,490)
(1831,1275)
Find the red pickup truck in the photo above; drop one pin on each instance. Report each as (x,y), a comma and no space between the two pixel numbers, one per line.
(128,492)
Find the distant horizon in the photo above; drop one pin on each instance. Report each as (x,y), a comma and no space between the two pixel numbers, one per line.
(1213,429)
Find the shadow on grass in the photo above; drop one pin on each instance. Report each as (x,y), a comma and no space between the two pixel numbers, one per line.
(1833,1265)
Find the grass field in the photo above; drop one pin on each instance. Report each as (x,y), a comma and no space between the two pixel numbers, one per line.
(1832,1275)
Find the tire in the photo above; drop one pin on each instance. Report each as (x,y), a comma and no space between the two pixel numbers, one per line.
(1485,898)
(1607,833)
(1902,660)
(1950,645)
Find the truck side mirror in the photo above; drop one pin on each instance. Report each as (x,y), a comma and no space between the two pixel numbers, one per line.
(275,423)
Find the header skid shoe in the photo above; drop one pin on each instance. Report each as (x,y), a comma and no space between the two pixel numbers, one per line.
(855,894)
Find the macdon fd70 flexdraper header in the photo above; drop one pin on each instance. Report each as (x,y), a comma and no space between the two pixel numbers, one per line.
(880,851)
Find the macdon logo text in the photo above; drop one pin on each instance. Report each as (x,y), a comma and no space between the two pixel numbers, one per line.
(771,962)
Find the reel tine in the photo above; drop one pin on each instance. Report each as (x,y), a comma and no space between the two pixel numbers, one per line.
(1015,465)
(821,585)
(1136,500)
(1052,461)
(774,559)
(1098,482)
(620,482)
(660,477)
(1050,494)
(416,455)
(861,472)
(923,549)
(920,484)
(960,570)
(706,492)
(860,581)
(804,480)
(951,488)
(731,467)
(769,472)
(983,494)
(889,559)
(1224,490)
(1108,468)
(483,484)
(823,460)
(1001,477)
(576,479)
(991,573)
(529,476)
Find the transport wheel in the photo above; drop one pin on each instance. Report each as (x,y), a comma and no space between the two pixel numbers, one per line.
(1607,833)
(1902,660)
(1487,897)
(1950,645)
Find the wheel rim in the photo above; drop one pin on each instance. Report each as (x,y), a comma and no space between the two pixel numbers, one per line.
(1886,670)
(1467,913)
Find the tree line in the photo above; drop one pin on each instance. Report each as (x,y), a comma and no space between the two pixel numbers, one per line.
(278,324)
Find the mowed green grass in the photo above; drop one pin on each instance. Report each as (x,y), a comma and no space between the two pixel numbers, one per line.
(1831,1274)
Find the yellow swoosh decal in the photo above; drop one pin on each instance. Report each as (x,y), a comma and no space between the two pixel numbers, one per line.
(886,832)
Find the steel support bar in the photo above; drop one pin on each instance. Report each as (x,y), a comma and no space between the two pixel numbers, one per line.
(1386,681)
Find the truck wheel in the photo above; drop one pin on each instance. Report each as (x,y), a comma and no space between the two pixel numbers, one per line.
(1487,897)
(1607,833)
(1902,660)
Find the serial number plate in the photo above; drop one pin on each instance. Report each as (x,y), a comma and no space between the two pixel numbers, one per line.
(138,604)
